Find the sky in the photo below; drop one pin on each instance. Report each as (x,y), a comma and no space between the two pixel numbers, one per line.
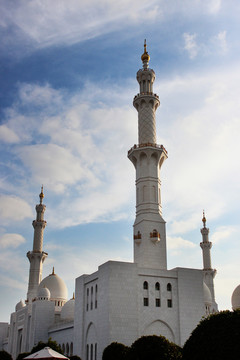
(68,78)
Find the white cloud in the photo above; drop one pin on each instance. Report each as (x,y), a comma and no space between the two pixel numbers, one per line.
(174,243)
(214,6)
(39,95)
(222,233)
(203,147)
(11,240)
(190,44)
(13,207)
(7,135)
(221,37)
(12,283)
(53,165)
(58,22)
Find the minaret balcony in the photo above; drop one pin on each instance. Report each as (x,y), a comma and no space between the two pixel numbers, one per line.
(155,236)
(156,146)
(138,238)
(145,93)
(206,245)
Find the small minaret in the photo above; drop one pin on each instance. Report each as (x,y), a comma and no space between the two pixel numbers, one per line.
(209,272)
(36,257)
(148,157)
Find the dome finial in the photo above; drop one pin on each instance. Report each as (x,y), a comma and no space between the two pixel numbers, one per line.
(41,195)
(73,296)
(145,56)
(204,219)
(53,273)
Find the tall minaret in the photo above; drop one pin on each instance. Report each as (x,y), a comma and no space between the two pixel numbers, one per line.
(209,272)
(37,256)
(148,157)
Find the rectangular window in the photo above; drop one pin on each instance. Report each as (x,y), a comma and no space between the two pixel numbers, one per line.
(169,303)
(158,303)
(145,301)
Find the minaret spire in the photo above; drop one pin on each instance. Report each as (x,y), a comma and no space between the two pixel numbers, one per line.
(208,271)
(148,157)
(41,195)
(37,256)
(145,56)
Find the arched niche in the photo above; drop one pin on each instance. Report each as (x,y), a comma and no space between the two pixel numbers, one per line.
(154,159)
(91,334)
(159,327)
(143,159)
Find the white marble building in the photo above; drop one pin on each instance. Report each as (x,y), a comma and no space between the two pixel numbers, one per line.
(121,301)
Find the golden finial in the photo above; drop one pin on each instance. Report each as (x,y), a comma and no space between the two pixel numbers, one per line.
(53,273)
(73,298)
(145,56)
(41,195)
(204,219)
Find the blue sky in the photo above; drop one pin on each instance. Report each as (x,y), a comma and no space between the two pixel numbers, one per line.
(67,121)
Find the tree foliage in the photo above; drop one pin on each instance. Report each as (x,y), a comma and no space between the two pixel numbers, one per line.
(217,337)
(22,355)
(51,343)
(4,355)
(115,351)
(74,357)
(145,348)
(155,348)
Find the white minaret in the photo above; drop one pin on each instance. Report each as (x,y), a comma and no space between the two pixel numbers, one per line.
(37,256)
(209,272)
(148,157)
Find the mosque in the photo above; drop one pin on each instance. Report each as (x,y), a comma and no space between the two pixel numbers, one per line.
(121,301)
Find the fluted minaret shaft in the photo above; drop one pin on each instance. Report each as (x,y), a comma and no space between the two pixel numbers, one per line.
(147,157)
(37,256)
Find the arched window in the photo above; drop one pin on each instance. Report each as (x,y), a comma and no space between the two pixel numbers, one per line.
(157,295)
(63,348)
(145,285)
(145,294)
(96,297)
(169,300)
(71,349)
(169,287)
(91,297)
(67,349)
(87,306)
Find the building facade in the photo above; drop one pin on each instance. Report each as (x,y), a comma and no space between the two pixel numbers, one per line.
(121,301)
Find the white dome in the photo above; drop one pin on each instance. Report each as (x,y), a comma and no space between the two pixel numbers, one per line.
(207,295)
(236,298)
(56,286)
(19,305)
(44,293)
(68,310)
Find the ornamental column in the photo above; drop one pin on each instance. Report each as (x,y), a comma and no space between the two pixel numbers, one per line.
(208,271)
(36,257)
(147,158)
